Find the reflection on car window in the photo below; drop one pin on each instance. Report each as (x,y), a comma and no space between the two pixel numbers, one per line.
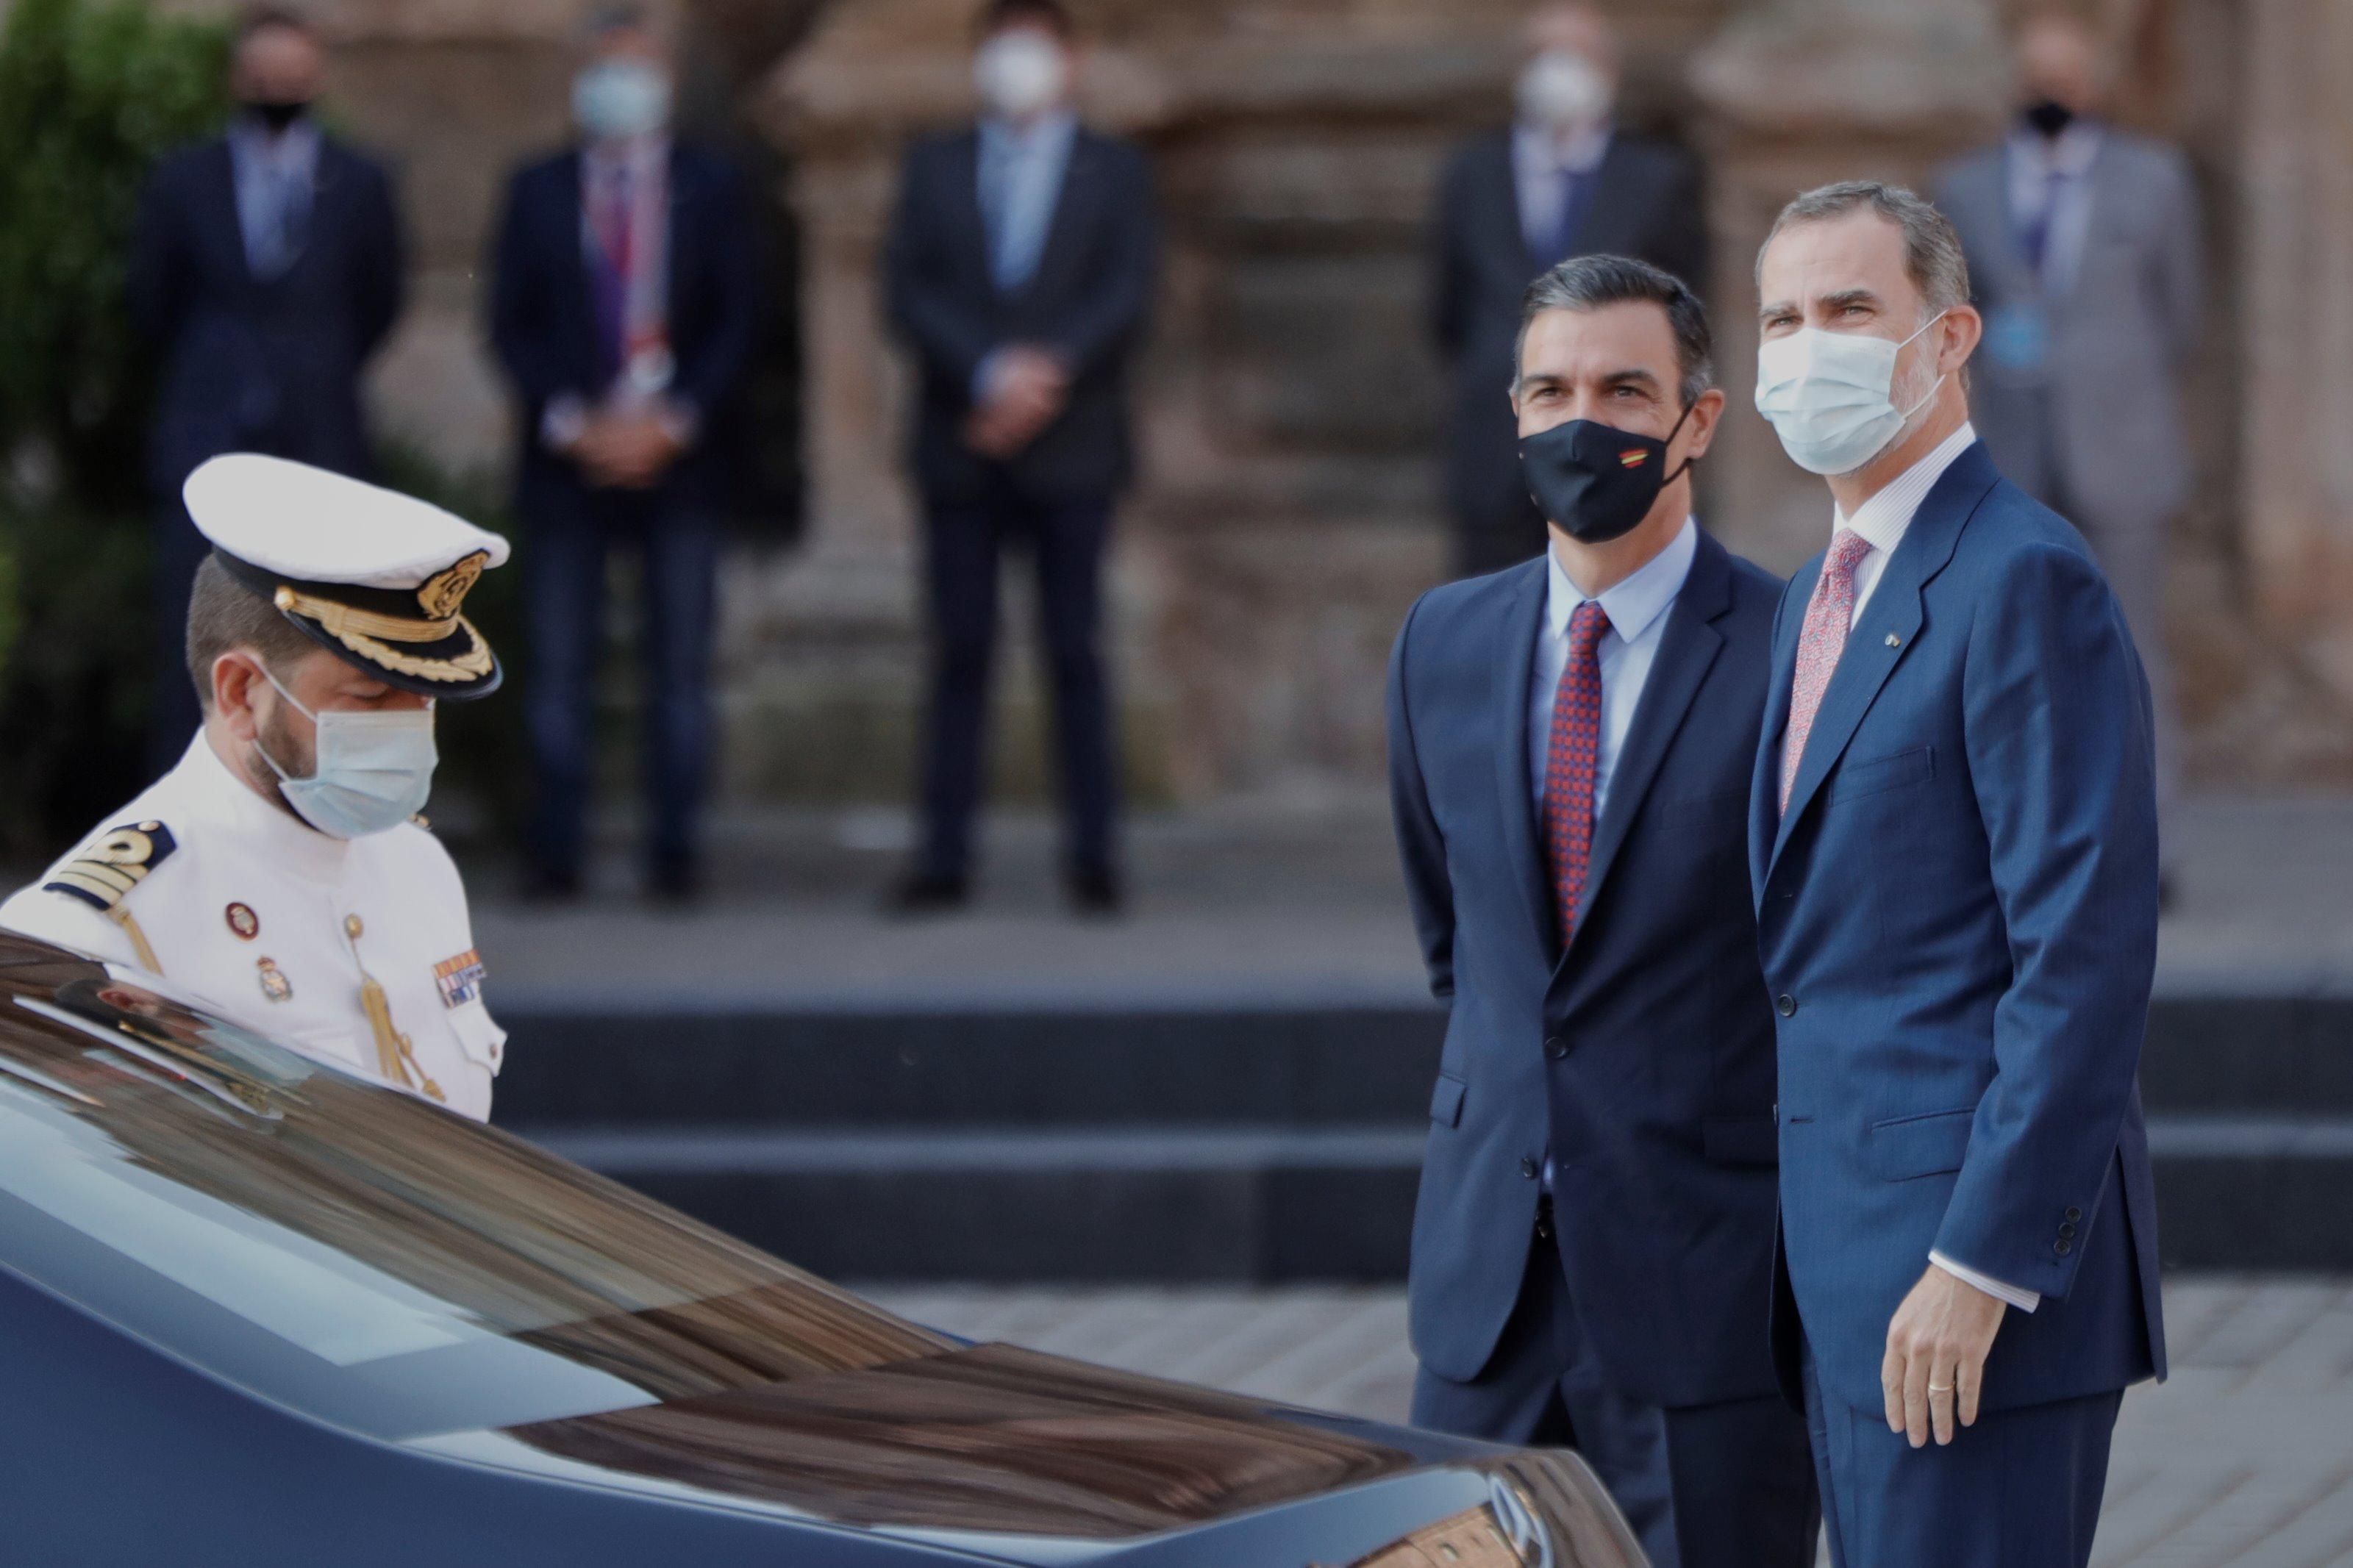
(357,1252)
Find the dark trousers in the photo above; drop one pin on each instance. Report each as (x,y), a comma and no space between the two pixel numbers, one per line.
(1710,1486)
(571,539)
(174,715)
(2020,1489)
(1067,540)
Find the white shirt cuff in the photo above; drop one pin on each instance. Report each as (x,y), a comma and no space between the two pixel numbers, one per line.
(2024,1300)
(563,422)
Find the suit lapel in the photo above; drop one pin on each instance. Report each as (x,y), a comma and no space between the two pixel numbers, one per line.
(967,229)
(1891,622)
(1764,816)
(220,206)
(1688,646)
(1071,205)
(1516,658)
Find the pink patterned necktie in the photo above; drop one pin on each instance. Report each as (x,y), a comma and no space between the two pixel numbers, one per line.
(1820,642)
(1573,761)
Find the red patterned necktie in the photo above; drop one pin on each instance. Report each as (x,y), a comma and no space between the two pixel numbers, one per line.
(1820,642)
(1572,761)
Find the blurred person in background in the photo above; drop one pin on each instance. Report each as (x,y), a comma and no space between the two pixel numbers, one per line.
(1563,181)
(625,307)
(1019,269)
(1593,1241)
(266,268)
(2084,243)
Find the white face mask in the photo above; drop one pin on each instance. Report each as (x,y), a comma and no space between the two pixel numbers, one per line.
(619,100)
(375,769)
(1562,91)
(1831,396)
(1020,72)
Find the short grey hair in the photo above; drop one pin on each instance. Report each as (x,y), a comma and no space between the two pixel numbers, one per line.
(1593,282)
(1932,250)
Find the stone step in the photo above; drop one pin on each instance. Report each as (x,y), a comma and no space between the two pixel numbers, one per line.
(1247,1203)
(1313,1062)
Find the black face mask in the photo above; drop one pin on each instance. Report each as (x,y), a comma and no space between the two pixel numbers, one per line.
(1597,481)
(277,114)
(2049,116)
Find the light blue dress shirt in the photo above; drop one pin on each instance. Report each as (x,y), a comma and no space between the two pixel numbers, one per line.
(1637,609)
(1021,171)
(274,177)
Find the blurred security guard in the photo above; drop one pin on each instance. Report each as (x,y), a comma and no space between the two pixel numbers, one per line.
(278,873)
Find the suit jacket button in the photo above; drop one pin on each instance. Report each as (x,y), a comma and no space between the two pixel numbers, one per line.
(1530,1168)
(1786,1005)
(2067,1233)
(2074,1216)
(2062,1247)
(1556,1047)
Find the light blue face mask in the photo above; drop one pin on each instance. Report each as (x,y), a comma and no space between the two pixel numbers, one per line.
(617,101)
(375,769)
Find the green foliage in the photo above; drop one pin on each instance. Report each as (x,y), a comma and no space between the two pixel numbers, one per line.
(90,95)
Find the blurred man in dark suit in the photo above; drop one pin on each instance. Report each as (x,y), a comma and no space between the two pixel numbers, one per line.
(1570,743)
(1562,181)
(2085,242)
(1018,270)
(266,269)
(626,308)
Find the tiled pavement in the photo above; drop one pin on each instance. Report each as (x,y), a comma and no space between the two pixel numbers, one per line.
(2243,1460)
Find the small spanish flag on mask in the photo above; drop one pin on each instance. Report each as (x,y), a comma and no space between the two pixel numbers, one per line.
(1633,457)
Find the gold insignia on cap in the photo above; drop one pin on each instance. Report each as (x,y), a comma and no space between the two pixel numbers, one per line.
(445,591)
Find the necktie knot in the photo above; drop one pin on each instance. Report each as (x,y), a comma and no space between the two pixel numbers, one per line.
(1847,551)
(1588,625)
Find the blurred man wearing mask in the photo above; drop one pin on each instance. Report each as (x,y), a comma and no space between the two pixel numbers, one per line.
(1953,855)
(1593,1242)
(278,873)
(1018,270)
(1563,181)
(266,269)
(625,308)
(2085,244)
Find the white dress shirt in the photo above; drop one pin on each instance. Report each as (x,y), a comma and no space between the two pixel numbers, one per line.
(1637,609)
(1541,161)
(2056,174)
(275,177)
(1882,522)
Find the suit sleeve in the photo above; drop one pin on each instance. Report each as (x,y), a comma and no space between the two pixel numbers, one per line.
(709,380)
(1105,320)
(2180,280)
(1428,890)
(70,922)
(517,308)
(2058,740)
(950,340)
(381,285)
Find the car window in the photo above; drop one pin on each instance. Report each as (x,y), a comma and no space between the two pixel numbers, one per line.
(354,1252)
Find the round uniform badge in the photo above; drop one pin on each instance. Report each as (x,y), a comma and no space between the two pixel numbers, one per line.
(243,923)
(274,983)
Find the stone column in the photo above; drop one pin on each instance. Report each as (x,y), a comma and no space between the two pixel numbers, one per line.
(1797,93)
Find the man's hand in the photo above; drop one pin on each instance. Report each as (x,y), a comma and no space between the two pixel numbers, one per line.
(627,451)
(1028,389)
(1937,1346)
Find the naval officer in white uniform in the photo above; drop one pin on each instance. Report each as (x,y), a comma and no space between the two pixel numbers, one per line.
(280,874)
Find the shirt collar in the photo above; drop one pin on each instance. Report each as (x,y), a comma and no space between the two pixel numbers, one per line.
(260,830)
(294,147)
(1581,152)
(1050,132)
(2070,153)
(1882,519)
(1634,604)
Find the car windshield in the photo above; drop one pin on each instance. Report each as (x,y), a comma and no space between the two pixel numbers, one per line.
(352,1252)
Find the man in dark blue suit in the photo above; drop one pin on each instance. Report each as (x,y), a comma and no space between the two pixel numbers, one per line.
(1018,270)
(266,267)
(625,307)
(1570,743)
(1953,848)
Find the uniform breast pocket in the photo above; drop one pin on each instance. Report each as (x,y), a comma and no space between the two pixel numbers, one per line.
(1876,775)
(479,1036)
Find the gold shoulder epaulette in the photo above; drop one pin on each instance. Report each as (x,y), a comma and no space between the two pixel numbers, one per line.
(113,864)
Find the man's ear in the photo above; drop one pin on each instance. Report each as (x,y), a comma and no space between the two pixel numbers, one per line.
(1963,328)
(1704,414)
(236,681)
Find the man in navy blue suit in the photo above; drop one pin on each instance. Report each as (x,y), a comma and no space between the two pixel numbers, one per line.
(266,269)
(1953,847)
(624,309)
(1570,743)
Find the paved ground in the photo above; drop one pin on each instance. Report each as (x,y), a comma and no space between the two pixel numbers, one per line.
(1243,903)
(2243,1460)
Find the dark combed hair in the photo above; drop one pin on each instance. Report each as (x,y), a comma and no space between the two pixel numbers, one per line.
(224,615)
(1049,14)
(1593,282)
